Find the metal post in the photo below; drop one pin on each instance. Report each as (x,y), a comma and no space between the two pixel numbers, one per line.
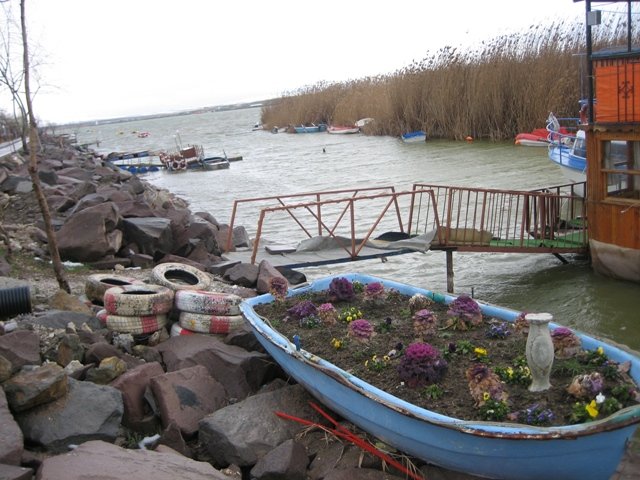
(449,271)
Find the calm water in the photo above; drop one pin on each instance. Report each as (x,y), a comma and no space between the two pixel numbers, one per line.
(286,164)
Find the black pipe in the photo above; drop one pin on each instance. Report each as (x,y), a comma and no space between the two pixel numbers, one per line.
(15,300)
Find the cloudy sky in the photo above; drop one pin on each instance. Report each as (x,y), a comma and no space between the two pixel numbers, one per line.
(112,58)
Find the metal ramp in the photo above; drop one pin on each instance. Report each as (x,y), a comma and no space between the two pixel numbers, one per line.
(378,222)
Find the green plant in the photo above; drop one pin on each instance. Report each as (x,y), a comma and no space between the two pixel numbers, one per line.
(517,374)
(433,392)
(349,314)
(494,410)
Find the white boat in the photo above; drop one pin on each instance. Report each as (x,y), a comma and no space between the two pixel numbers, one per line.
(342,129)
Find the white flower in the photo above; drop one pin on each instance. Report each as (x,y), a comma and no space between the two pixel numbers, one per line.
(600,398)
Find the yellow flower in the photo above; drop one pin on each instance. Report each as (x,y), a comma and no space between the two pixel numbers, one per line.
(510,372)
(335,343)
(386,358)
(600,351)
(591,409)
(486,396)
(349,318)
(481,352)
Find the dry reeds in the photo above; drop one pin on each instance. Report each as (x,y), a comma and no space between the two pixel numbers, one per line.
(504,86)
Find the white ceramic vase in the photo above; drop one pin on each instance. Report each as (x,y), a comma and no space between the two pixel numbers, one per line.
(539,350)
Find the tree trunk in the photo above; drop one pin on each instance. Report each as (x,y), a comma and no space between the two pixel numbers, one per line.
(34,143)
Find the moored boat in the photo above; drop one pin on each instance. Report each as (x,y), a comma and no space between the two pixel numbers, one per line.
(414,137)
(342,129)
(192,158)
(310,128)
(501,450)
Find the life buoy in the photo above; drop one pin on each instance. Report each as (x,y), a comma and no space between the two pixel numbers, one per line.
(98,283)
(208,303)
(132,323)
(183,164)
(178,276)
(219,324)
(175,165)
(138,300)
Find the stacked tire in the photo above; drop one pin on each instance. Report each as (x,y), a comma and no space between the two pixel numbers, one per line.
(136,308)
(97,284)
(199,310)
(206,312)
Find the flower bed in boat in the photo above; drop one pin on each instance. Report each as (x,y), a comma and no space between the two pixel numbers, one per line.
(449,359)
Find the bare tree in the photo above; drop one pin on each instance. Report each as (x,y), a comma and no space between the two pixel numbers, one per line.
(58,268)
(12,78)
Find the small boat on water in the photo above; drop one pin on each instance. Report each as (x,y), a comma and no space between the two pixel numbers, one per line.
(501,450)
(192,158)
(310,128)
(414,137)
(536,138)
(342,129)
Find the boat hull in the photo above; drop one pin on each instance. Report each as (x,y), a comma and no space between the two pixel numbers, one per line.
(494,450)
(573,167)
(343,130)
(414,137)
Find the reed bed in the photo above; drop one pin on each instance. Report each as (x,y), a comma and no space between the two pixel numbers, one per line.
(502,87)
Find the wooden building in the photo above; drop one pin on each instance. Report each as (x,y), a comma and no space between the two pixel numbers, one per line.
(613,158)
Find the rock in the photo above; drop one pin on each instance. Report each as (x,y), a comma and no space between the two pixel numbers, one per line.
(92,457)
(138,414)
(21,348)
(152,234)
(185,396)
(243,274)
(11,472)
(288,460)
(87,412)
(11,439)
(244,432)
(266,272)
(239,371)
(36,385)
(90,234)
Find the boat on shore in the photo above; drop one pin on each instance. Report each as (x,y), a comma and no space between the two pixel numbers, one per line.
(503,450)
(414,137)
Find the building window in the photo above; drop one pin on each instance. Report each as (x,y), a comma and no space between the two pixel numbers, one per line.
(621,166)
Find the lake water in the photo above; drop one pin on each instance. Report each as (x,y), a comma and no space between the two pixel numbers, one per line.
(280,164)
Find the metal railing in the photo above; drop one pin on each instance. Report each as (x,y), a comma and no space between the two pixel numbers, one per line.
(480,219)
(353,236)
(306,199)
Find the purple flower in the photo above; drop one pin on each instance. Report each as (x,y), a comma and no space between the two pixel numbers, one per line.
(421,365)
(341,289)
(303,309)
(466,310)
(361,330)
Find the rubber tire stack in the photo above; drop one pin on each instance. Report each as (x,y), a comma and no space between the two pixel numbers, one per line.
(98,283)
(136,308)
(207,312)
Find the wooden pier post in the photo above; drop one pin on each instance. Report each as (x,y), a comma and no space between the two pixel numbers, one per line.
(449,271)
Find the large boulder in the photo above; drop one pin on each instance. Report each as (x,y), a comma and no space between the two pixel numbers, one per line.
(90,234)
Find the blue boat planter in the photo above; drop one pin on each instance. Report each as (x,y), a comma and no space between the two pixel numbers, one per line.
(497,450)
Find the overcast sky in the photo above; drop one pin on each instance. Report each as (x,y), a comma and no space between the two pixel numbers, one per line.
(112,58)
